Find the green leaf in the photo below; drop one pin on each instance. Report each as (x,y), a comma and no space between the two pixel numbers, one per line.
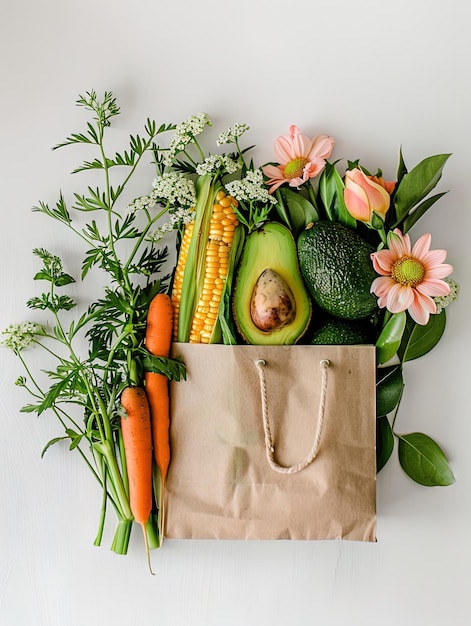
(42,276)
(174,369)
(30,408)
(60,211)
(63,279)
(51,443)
(418,183)
(301,211)
(96,201)
(401,168)
(419,339)
(423,460)
(389,340)
(418,212)
(384,442)
(280,208)
(389,386)
(331,188)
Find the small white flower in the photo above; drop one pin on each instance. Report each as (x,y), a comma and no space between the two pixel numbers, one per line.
(215,163)
(185,134)
(232,134)
(139,204)
(210,165)
(175,188)
(20,336)
(250,189)
(231,165)
(159,233)
(178,217)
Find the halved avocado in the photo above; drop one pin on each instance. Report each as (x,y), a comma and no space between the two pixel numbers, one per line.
(271,306)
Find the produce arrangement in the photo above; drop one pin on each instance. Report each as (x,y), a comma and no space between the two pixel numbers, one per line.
(301,250)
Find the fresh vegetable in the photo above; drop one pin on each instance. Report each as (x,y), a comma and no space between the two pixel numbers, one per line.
(179,272)
(158,341)
(239,277)
(270,303)
(203,265)
(336,267)
(137,441)
(92,357)
(336,331)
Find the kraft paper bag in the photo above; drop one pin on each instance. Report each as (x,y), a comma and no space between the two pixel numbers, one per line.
(273,442)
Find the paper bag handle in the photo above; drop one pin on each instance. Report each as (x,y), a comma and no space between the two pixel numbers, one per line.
(270,450)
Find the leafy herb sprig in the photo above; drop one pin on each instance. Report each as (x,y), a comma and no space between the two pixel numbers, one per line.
(117,242)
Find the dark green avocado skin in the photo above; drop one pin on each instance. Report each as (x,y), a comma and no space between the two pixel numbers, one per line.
(337,270)
(342,332)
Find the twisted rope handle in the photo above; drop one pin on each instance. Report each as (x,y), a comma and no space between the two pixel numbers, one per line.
(269,448)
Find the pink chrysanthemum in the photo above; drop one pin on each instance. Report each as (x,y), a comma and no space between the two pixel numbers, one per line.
(410,277)
(300,158)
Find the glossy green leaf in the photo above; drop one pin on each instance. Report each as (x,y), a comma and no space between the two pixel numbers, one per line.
(418,183)
(401,168)
(389,386)
(419,211)
(331,188)
(420,339)
(384,442)
(424,461)
(281,209)
(300,210)
(390,338)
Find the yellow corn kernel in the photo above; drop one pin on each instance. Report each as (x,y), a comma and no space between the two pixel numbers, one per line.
(179,271)
(220,236)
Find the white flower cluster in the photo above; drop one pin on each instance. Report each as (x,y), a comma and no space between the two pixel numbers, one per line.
(19,336)
(179,217)
(443,301)
(233,134)
(185,134)
(173,188)
(216,162)
(250,189)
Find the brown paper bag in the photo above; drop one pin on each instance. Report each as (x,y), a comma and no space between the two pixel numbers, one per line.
(274,442)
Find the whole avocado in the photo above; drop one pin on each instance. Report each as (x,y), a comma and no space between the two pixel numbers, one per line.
(337,270)
(342,332)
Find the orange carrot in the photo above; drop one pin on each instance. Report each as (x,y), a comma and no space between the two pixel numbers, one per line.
(159,319)
(137,440)
(157,393)
(158,340)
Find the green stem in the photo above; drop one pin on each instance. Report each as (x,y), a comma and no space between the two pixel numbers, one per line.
(104,501)
(141,238)
(122,535)
(396,410)
(106,449)
(312,196)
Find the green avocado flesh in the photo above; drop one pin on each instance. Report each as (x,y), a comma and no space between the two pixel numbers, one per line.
(271,305)
(337,270)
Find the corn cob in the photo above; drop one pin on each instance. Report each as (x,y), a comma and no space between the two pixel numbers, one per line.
(202,267)
(221,234)
(179,271)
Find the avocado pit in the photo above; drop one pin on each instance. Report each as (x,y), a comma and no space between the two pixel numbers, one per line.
(272,305)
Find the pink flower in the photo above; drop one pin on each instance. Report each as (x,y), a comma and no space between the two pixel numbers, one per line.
(300,158)
(365,195)
(410,278)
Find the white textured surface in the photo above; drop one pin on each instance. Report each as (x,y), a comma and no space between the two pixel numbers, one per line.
(375,76)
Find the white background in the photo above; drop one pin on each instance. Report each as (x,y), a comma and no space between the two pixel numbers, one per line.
(374,75)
